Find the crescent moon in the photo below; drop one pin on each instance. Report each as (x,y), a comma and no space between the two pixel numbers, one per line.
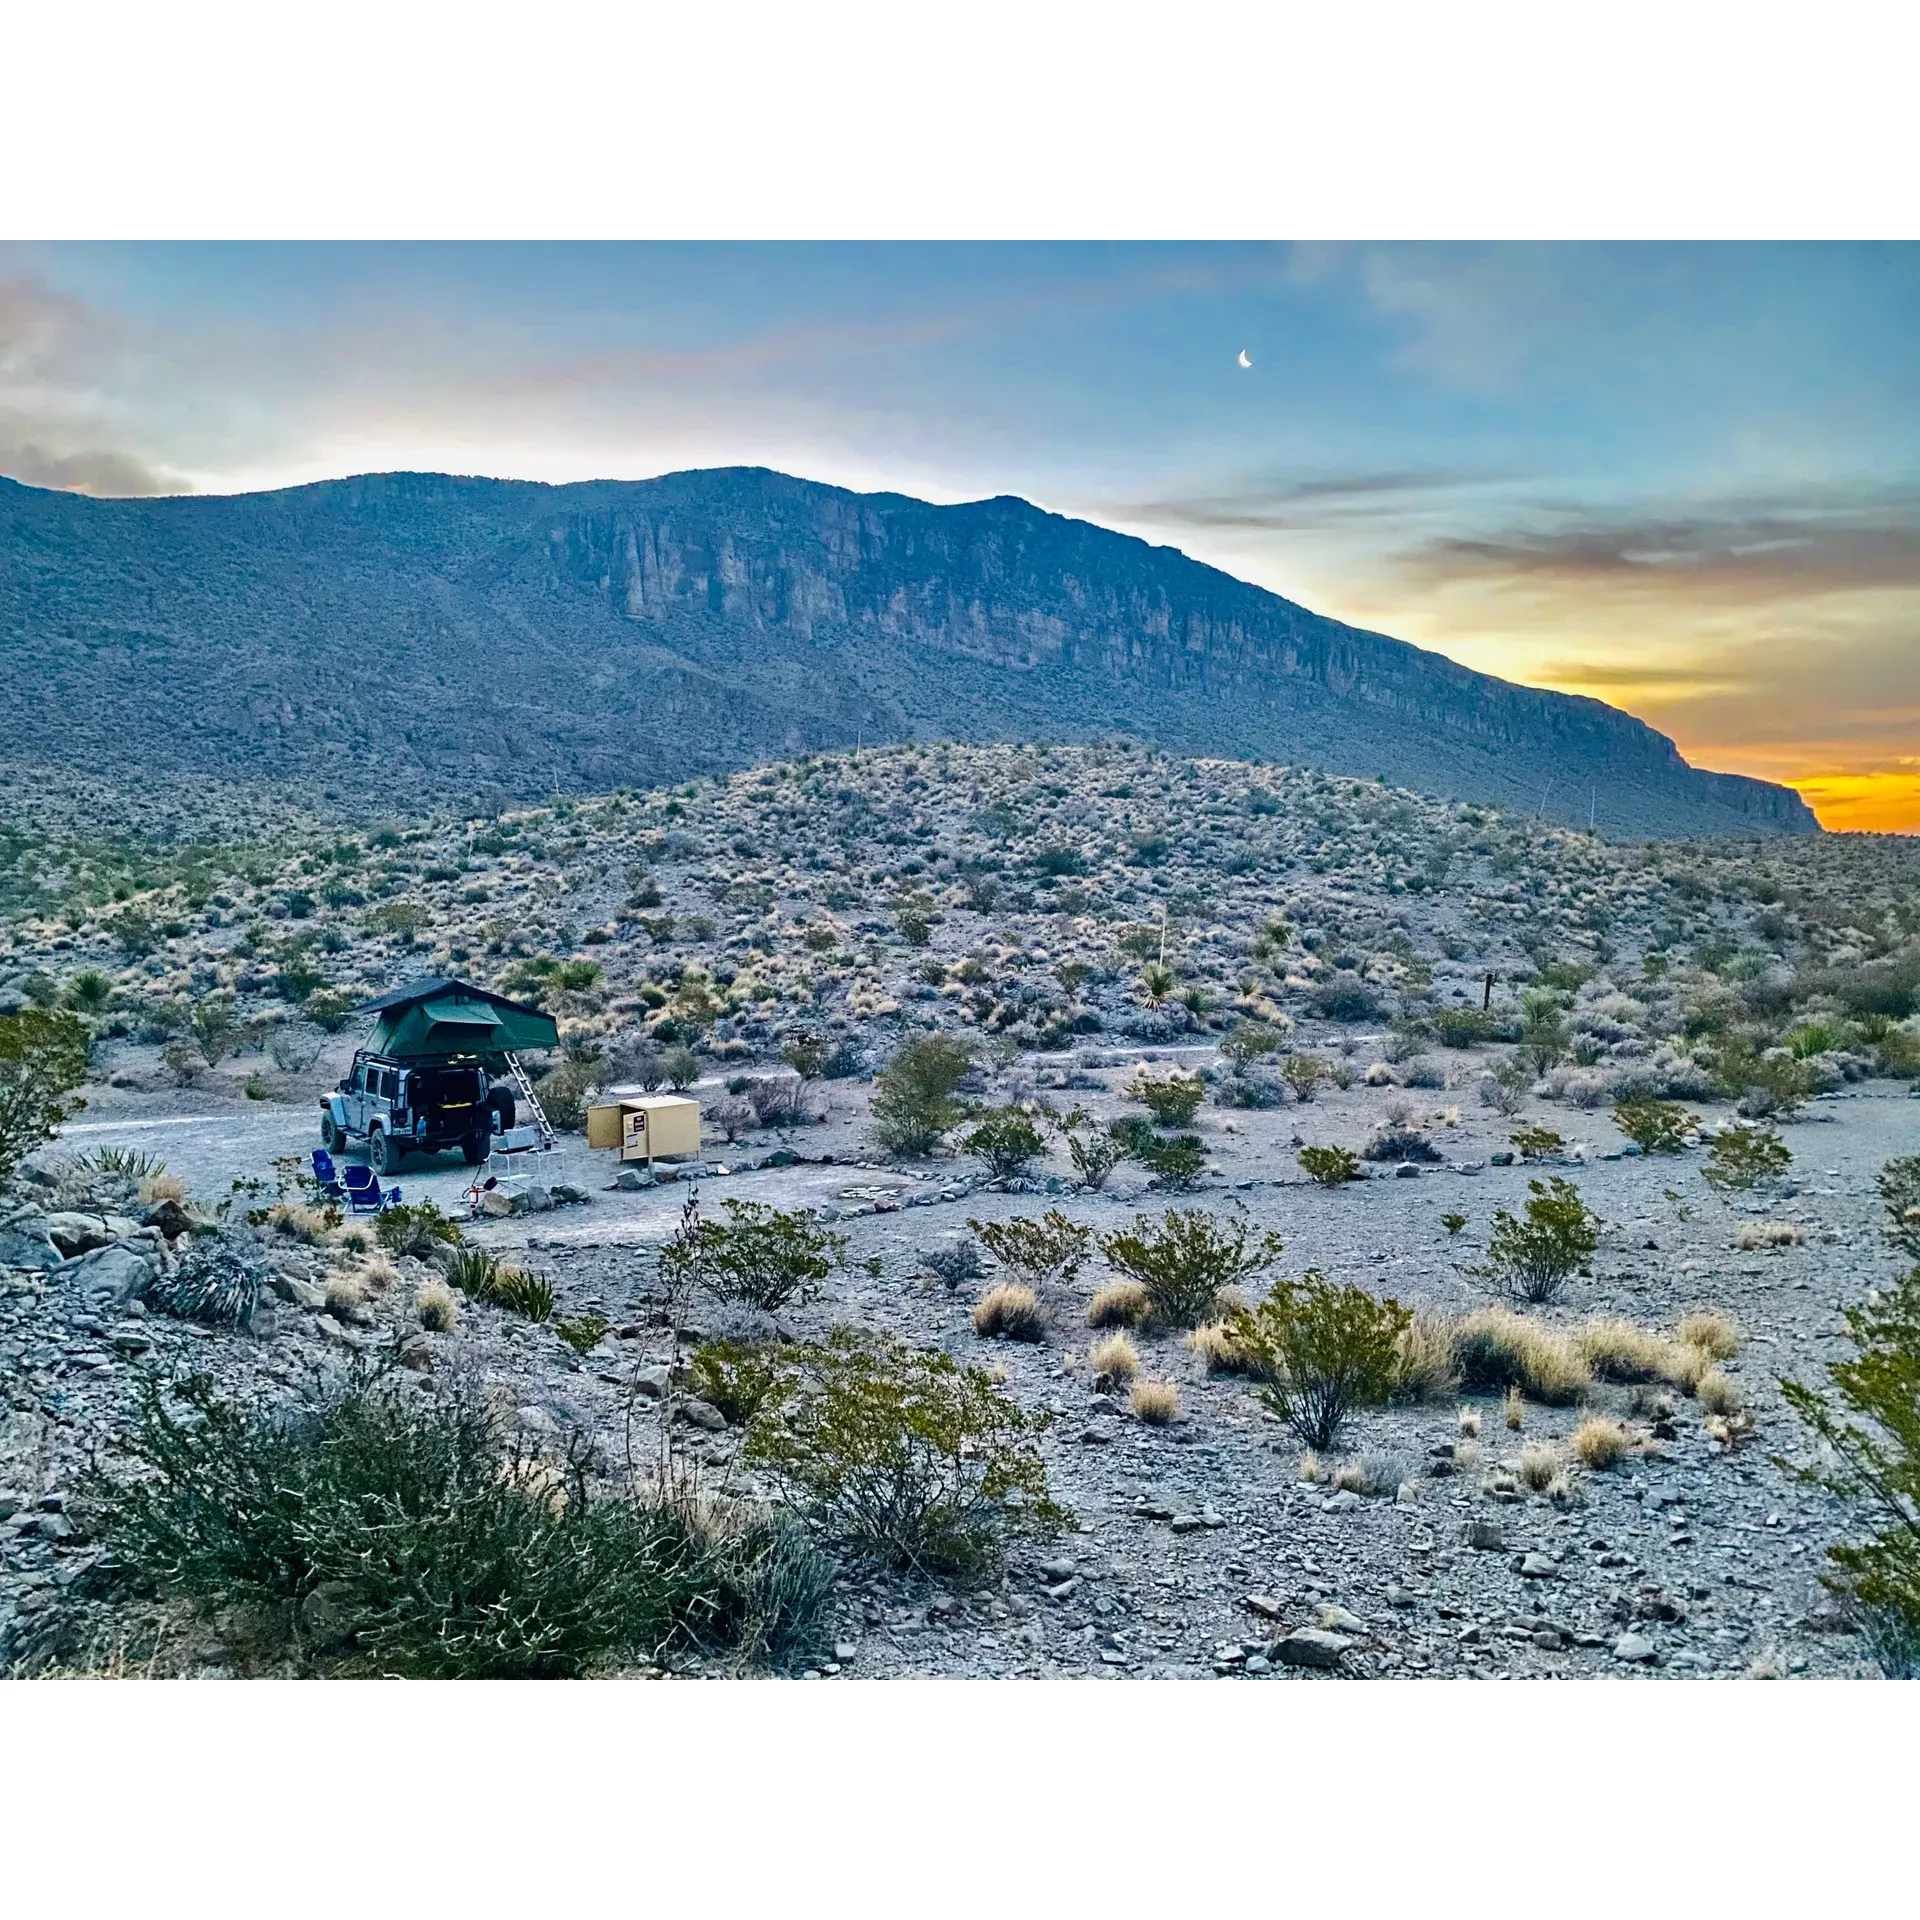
(1245,359)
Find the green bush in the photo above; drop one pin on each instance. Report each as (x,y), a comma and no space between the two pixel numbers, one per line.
(418,1229)
(1462,1027)
(1870,1436)
(328,1008)
(1249,1041)
(521,1291)
(758,1257)
(681,1065)
(913,1103)
(1325,1351)
(1899,1185)
(473,1271)
(43,1060)
(384,1532)
(739,1377)
(1303,1073)
(1655,1126)
(1741,1157)
(1766,1084)
(564,1092)
(1173,1099)
(1007,1140)
(1175,1164)
(902,1454)
(1047,1251)
(1185,1260)
(1330,1166)
(1093,1149)
(1533,1258)
(583,1332)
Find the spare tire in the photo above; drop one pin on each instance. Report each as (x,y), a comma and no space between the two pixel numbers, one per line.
(500,1103)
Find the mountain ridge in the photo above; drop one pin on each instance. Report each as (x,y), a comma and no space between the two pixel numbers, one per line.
(432,633)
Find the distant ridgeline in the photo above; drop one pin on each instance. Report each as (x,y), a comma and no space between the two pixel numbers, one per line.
(404,638)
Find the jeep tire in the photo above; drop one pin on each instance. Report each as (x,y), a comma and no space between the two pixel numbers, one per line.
(331,1138)
(500,1104)
(476,1147)
(383,1155)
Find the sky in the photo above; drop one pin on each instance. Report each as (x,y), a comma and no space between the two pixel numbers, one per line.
(1684,478)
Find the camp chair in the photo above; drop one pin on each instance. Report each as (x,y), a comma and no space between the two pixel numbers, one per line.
(365,1194)
(325,1176)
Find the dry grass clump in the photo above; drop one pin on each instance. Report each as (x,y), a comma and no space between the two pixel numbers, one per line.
(1157,1402)
(1599,1444)
(1470,1422)
(1514,1409)
(1496,1347)
(159,1186)
(1718,1394)
(1711,1333)
(1424,1365)
(1466,1454)
(353,1236)
(346,1295)
(1221,1353)
(1349,1477)
(1114,1358)
(436,1306)
(1618,1350)
(308,1225)
(1541,1464)
(1754,1236)
(1309,1469)
(1120,1303)
(377,1273)
(1009,1311)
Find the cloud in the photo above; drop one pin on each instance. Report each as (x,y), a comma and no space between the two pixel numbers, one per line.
(113,475)
(1296,504)
(1812,542)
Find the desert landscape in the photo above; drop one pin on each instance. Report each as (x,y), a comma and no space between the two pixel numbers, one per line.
(1157,1216)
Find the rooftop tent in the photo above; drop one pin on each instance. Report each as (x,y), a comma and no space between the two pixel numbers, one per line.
(431,1019)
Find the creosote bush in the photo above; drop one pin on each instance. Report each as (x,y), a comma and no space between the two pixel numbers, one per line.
(416,1229)
(377,1531)
(1741,1157)
(1655,1126)
(1329,1166)
(1533,1258)
(1185,1259)
(1325,1350)
(757,1257)
(913,1104)
(1008,1139)
(902,1454)
(43,1060)
(1172,1098)
(1048,1251)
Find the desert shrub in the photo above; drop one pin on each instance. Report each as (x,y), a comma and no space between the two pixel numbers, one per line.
(1346,999)
(1535,1143)
(393,1533)
(1326,1350)
(1453,1222)
(1007,1139)
(903,1454)
(1764,1084)
(1462,1027)
(1215,1348)
(520,1291)
(1329,1166)
(1533,1258)
(417,1229)
(1712,1333)
(1175,1164)
(1498,1349)
(43,1060)
(1156,1403)
(582,1331)
(436,1306)
(1049,1251)
(779,1100)
(1899,1188)
(954,1263)
(1654,1126)
(1186,1260)
(1741,1157)
(1173,1099)
(1249,1041)
(328,1008)
(308,1225)
(1506,1087)
(757,1257)
(1397,1143)
(681,1066)
(1750,1236)
(1717,1393)
(565,1090)
(739,1377)
(913,1103)
(1121,1303)
(1009,1311)
(1093,1149)
(1303,1073)
(1424,1367)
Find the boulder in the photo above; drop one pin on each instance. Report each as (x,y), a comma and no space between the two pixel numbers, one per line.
(169,1218)
(1310,1647)
(25,1242)
(116,1273)
(78,1233)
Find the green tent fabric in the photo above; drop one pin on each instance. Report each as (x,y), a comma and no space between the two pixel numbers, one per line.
(435,1018)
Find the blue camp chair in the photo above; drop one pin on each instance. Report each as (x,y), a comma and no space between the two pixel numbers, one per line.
(364,1192)
(325,1176)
